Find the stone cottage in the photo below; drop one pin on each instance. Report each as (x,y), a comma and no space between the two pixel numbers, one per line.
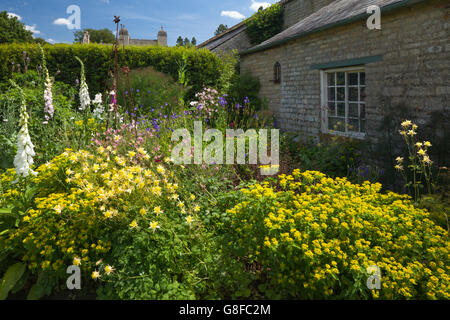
(328,73)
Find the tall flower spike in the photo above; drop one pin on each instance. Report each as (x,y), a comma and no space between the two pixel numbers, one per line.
(85,100)
(25,148)
(48,96)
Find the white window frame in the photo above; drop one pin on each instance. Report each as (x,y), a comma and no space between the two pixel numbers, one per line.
(324,102)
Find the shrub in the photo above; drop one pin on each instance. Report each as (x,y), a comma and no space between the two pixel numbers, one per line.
(334,156)
(309,236)
(149,89)
(266,23)
(93,210)
(203,67)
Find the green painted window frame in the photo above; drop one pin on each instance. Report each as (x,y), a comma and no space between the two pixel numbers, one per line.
(347,63)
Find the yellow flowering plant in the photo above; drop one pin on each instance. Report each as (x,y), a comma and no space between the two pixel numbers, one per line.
(306,235)
(90,207)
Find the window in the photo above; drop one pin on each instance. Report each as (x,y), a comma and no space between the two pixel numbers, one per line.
(277,73)
(344,101)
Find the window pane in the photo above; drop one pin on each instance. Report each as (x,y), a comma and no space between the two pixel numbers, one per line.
(362,107)
(363,126)
(353,125)
(353,79)
(362,78)
(341,109)
(331,94)
(331,79)
(353,110)
(340,94)
(340,79)
(353,94)
(332,108)
(336,124)
(362,94)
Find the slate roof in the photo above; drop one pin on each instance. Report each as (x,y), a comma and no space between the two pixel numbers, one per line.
(335,13)
(216,41)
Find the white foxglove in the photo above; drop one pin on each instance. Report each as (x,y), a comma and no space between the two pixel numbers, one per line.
(23,160)
(98,111)
(85,100)
(48,98)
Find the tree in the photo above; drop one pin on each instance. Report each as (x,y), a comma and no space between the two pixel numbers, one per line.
(194,41)
(221,28)
(180,41)
(41,41)
(12,30)
(95,36)
(186,42)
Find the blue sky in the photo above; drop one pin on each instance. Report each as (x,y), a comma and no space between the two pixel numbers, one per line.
(143,19)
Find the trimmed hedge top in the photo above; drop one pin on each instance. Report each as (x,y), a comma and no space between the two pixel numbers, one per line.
(203,67)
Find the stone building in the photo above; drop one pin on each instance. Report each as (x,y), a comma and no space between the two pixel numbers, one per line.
(328,73)
(125,39)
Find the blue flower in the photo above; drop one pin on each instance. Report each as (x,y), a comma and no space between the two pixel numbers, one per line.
(246,100)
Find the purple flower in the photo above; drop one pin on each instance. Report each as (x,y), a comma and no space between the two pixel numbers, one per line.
(137,90)
(246,100)
(222,101)
(238,106)
(126,92)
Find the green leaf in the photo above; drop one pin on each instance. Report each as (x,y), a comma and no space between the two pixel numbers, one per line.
(5,210)
(36,292)
(21,283)
(12,275)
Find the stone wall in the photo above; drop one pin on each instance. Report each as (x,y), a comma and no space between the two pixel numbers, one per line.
(415,46)
(143,42)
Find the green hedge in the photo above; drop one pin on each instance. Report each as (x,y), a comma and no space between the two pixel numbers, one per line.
(203,66)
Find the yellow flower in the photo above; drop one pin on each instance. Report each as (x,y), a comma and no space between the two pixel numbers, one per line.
(421,152)
(160,169)
(197,208)
(95,275)
(426,159)
(158,210)
(427,144)
(133,224)
(406,123)
(154,225)
(76,261)
(143,211)
(189,219)
(109,269)
(192,197)
(131,154)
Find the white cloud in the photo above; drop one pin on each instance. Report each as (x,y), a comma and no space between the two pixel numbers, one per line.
(62,22)
(50,40)
(32,29)
(232,14)
(256,5)
(12,15)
